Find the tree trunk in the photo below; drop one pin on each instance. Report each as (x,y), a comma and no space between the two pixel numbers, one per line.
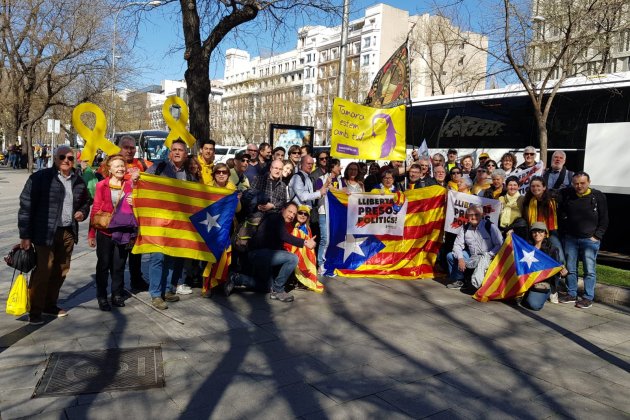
(198,92)
(542,136)
(28,133)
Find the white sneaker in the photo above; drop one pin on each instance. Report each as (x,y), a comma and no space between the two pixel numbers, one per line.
(321,270)
(182,289)
(553,298)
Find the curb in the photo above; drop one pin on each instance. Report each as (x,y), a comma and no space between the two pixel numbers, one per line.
(613,295)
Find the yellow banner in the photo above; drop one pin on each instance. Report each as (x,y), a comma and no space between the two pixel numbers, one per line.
(363,132)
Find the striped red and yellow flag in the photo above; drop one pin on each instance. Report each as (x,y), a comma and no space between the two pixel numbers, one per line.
(391,257)
(306,270)
(516,267)
(163,207)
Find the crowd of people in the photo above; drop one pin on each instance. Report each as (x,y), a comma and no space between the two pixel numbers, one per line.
(281,220)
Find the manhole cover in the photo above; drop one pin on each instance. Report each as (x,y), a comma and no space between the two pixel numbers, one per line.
(72,373)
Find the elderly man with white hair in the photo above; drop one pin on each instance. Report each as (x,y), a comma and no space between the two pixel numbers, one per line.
(53,202)
(557,176)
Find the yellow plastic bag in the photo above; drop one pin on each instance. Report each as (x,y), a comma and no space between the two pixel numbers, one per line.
(17,303)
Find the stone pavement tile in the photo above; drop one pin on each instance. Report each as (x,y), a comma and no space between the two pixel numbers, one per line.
(574,380)
(22,355)
(21,377)
(621,348)
(153,403)
(224,341)
(341,333)
(172,351)
(424,398)
(49,415)
(18,403)
(353,383)
(513,340)
(353,355)
(615,332)
(577,343)
(489,378)
(97,342)
(447,415)
(616,370)
(568,404)
(614,396)
(303,368)
(61,345)
(294,400)
(501,407)
(179,371)
(83,399)
(370,407)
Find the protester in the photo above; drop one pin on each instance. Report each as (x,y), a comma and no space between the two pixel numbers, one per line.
(511,204)
(237,174)
(278,153)
(437,160)
(288,169)
(529,154)
(52,203)
(306,270)
(481,181)
(331,180)
(508,163)
(439,175)
(557,176)
(387,184)
(306,149)
(221,179)
(193,167)
(273,188)
(490,166)
(253,168)
(538,294)
(496,188)
(373,177)
(295,155)
(539,206)
(483,158)
(418,175)
(584,218)
(322,165)
(352,177)
(206,160)
(112,248)
(165,271)
(452,159)
(271,262)
(455,178)
(466,164)
(465,185)
(476,244)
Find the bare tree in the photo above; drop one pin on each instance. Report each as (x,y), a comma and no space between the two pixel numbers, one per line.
(545,42)
(53,55)
(207,22)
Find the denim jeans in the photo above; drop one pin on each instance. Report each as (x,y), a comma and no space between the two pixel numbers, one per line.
(323,240)
(585,250)
(536,300)
(453,269)
(262,261)
(164,273)
(554,238)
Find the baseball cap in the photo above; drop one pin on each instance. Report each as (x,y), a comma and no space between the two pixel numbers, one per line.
(484,155)
(538,226)
(529,149)
(242,155)
(450,151)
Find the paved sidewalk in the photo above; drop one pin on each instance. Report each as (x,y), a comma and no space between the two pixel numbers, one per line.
(363,349)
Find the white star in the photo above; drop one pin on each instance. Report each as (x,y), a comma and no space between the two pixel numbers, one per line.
(528,257)
(211,221)
(351,245)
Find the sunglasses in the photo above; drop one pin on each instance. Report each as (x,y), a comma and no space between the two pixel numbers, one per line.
(456,173)
(481,170)
(221,172)
(302,213)
(529,154)
(244,160)
(64,157)
(252,150)
(324,158)
(490,164)
(536,231)
(295,153)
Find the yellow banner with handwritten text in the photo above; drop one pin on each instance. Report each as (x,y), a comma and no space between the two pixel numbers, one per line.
(363,132)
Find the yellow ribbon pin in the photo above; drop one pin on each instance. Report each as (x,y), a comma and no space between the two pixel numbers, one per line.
(178,127)
(94,139)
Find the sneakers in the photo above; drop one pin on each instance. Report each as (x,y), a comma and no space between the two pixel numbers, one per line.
(183,289)
(229,284)
(159,303)
(566,299)
(455,285)
(553,298)
(35,320)
(584,303)
(171,297)
(321,270)
(104,305)
(281,296)
(56,312)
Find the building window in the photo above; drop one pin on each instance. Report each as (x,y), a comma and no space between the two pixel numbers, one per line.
(624,40)
(366,42)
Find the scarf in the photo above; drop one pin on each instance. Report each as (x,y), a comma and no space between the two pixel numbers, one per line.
(452,185)
(510,210)
(585,194)
(534,216)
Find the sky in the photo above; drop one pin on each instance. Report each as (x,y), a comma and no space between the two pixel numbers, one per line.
(158,46)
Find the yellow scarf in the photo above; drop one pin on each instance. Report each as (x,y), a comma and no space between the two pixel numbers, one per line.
(533,216)
(585,194)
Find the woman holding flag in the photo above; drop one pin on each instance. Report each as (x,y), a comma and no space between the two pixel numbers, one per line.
(306,270)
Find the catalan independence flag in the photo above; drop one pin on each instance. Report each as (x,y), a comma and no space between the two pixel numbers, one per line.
(409,257)
(163,207)
(516,267)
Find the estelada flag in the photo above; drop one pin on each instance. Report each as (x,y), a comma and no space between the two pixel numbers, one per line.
(516,267)
(409,257)
(390,86)
(163,207)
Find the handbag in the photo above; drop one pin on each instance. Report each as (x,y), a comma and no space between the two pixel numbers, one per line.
(102,218)
(18,303)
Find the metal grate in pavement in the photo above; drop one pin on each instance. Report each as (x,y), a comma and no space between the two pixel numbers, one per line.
(88,372)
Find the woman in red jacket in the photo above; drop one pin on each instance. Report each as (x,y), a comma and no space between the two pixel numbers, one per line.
(111,254)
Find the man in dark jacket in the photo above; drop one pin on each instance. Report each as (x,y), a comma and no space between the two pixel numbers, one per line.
(584,220)
(52,203)
(266,252)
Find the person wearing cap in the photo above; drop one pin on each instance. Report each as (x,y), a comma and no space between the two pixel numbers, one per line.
(536,296)
(483,158)
(206,160)
(306,270)
(237,174)
(477,242)
(53,202)
(451,159)
(584,217)
(529,154)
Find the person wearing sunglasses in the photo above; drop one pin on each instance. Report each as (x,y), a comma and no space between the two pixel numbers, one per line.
(294,155)
(455,176)
(482,182)
(237,174)
(529,154)
(321,165)
(305,271)
(53,202)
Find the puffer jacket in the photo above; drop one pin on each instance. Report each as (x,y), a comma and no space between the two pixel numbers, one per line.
(41,203)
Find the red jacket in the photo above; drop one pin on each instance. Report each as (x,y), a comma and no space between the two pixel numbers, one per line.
(103,201)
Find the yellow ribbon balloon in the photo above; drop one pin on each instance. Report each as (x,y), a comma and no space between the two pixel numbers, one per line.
(178,127)
(94,139)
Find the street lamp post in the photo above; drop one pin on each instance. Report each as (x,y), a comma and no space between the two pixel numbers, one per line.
(153,3)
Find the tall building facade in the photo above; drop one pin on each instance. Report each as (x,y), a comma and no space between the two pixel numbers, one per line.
(299,86)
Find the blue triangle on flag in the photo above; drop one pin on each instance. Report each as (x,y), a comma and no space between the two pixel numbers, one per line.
(214,223)
(529,259)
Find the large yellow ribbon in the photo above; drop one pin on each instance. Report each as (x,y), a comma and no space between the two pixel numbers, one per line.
(94,138)
(178,127)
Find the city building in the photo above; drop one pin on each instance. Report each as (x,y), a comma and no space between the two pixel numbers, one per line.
(299,86)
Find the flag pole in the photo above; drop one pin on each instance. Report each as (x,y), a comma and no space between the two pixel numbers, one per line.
(343,50)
